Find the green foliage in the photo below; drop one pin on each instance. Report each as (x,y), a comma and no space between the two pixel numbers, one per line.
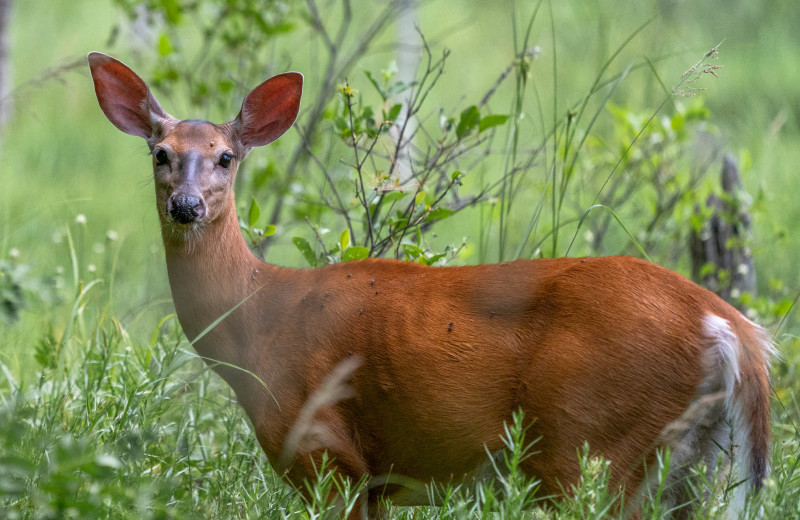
(592,497)
(355,253)
(666,171)
(387,87)
(12,293)
(305,248)
(18,285)
(255,234)
(115,429)
(399,196)
(328,483)
(491,120)
(470,118)
(224,28)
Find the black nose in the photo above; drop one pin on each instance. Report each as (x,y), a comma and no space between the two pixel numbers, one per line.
(185,209)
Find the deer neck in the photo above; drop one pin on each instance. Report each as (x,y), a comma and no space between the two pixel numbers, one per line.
(212,274)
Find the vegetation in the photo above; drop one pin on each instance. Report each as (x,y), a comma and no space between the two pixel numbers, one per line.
(548,129)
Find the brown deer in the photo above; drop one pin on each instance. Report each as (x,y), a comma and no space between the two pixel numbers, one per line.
(617,352)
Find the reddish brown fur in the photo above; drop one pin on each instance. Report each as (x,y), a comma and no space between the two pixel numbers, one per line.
(607,351)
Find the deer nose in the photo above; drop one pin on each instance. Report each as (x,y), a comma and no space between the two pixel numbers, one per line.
(185,209)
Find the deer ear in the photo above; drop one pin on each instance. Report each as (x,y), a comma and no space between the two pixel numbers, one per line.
(269,110)
(124,96)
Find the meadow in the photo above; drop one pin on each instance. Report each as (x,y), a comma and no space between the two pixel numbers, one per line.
(539,130)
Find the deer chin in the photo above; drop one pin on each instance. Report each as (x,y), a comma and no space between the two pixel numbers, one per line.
(182,234)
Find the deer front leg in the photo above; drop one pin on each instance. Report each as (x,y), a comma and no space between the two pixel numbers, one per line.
(322,450)
(325,472)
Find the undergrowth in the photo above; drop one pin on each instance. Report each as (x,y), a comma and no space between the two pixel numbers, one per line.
(112,428)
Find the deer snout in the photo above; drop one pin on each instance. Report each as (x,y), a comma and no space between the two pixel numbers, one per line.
(185,209)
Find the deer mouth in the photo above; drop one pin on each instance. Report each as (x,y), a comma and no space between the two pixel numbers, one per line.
(182,224)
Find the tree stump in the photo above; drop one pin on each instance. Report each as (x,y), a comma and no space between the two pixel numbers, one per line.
(721,258)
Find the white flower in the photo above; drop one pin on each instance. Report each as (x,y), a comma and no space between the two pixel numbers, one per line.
(80,218)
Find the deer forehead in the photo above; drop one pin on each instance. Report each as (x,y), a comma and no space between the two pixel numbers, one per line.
(195,135)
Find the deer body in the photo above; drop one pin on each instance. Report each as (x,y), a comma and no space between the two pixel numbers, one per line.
(610,351)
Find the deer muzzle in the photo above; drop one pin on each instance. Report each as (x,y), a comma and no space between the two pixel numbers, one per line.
(185,209)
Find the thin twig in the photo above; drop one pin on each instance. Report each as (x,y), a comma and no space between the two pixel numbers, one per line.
(340,204)
(336,69)
(318,236)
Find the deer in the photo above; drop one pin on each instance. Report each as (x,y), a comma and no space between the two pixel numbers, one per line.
(615,352)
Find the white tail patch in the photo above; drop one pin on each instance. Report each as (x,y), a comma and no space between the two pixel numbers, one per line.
(724,356)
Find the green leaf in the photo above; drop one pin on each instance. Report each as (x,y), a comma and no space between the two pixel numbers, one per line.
(261,24)
(492,120)
(455,175)
(393,196)
(697,112)
(255,212)
(470,118)
(420,198)
(173,10)
(269,231)
(164,45)
(394,112)
(368,113)
(377,85)
(344,239)
(283,27)
(308,253)
(225,85)
(439,213)
(355,253)
(677,122)
(400,86)
(412,251)
(398,223)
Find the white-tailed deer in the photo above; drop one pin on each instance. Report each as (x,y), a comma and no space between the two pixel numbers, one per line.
(617,352)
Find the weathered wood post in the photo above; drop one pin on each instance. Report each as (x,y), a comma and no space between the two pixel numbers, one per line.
(721,258)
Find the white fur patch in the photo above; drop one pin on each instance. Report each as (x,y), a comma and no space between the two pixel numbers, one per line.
(725,354)
(704,427)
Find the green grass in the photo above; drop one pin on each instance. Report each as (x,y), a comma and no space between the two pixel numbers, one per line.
(113,428)
(105,411)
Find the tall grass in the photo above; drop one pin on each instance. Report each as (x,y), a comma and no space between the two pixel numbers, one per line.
(112,428)
(109,428)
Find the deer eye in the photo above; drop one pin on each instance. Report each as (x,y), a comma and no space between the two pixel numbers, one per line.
(225,160)
(161,157)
